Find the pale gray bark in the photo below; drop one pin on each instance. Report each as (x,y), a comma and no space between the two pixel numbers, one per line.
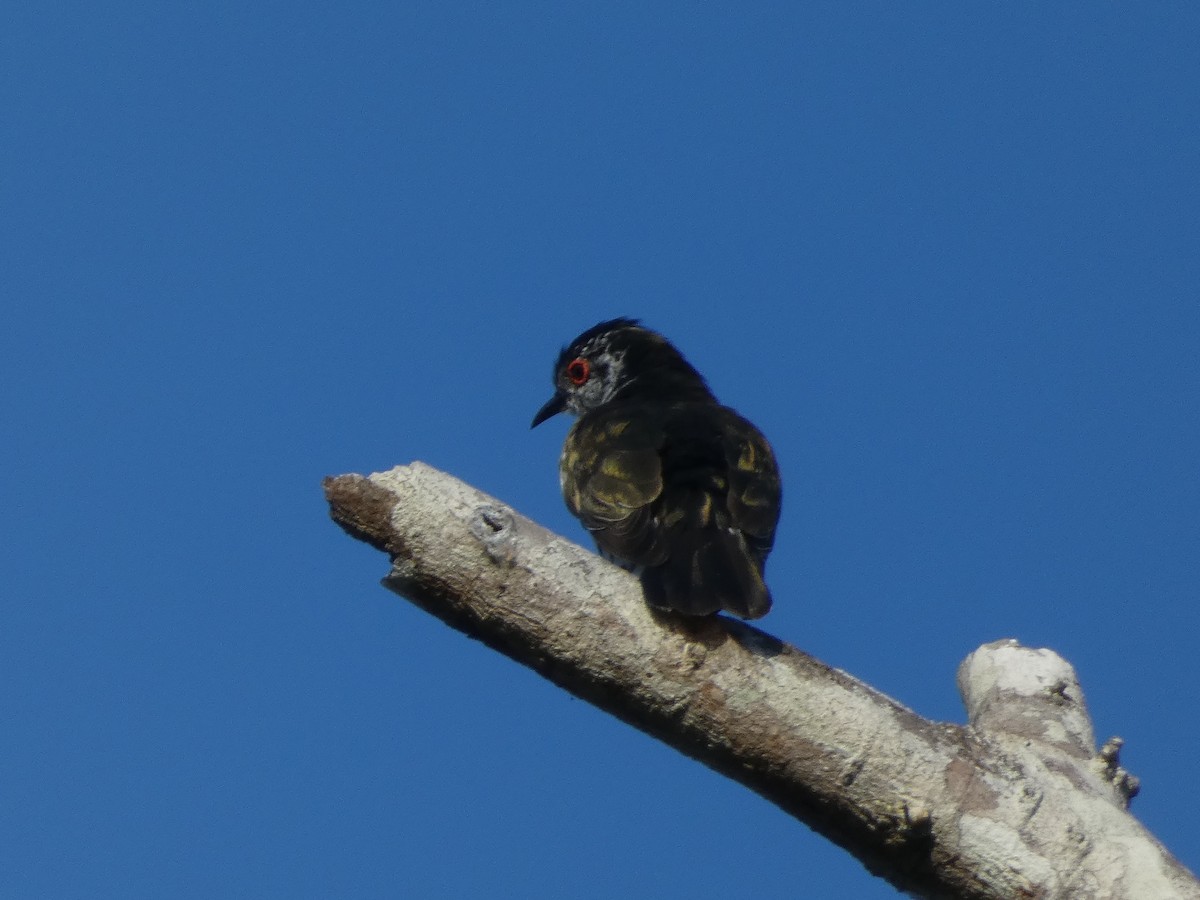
(1016,804)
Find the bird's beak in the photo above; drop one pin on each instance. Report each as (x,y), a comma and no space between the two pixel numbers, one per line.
(553,407)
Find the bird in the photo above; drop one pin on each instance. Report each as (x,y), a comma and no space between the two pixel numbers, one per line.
(672,485)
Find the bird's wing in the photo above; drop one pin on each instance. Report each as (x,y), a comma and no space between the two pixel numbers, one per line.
(716,519)
(611,474)
(755,492)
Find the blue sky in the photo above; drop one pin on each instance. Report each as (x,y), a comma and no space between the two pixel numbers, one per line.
(945,257)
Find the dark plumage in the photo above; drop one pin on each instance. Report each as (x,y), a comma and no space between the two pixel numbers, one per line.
(670,483)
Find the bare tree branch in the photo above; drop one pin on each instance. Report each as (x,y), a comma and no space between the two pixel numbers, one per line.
(1016,804)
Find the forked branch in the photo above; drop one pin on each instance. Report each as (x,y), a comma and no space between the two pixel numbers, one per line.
(1015,804)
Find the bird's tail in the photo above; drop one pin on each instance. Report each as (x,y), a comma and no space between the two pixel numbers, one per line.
(709,570)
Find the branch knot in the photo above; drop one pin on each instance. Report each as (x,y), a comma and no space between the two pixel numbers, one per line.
(494,527)
(1108,764)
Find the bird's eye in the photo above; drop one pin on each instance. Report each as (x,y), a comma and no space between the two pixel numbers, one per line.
(578,370)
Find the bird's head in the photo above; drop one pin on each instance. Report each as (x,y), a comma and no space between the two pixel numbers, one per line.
(620,360)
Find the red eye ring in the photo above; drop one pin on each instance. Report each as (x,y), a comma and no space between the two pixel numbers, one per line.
(578,370)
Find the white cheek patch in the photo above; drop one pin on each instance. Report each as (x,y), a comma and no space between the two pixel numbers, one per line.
(608,367)
(613,365)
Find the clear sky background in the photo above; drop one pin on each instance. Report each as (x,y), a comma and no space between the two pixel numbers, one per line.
(946,257)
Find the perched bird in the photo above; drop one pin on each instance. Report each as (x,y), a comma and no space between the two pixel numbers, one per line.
(670,483)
